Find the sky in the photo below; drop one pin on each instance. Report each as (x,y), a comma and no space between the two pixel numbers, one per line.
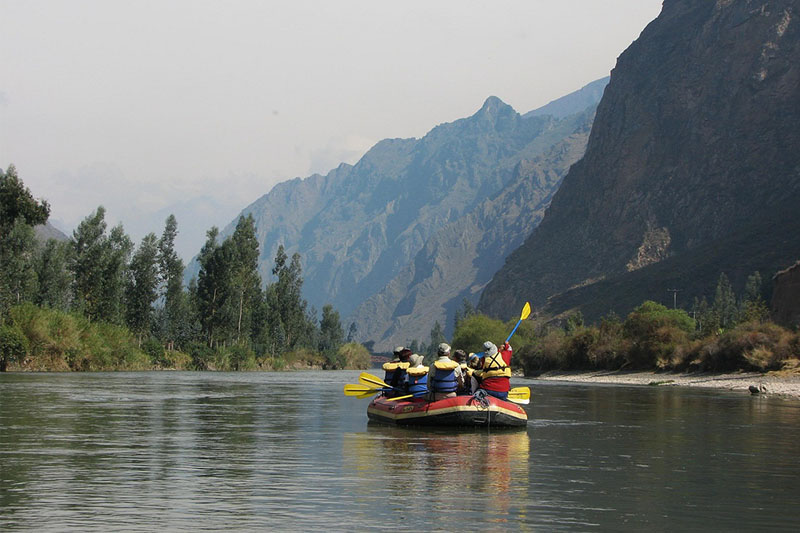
(198,107)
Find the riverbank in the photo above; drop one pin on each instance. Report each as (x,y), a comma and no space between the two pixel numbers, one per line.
(783,383)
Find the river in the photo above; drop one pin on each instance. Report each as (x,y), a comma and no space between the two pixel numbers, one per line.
(195,451)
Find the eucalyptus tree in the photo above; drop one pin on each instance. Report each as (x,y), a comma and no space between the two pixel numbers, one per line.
(141,289)
(98,263)
(331,336)
(19,212)
(54,278)
(174,313)
(245,281)
(286,298)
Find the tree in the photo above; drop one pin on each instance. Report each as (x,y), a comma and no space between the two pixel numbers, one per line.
(142,286)
(753,307)
(53,275)
(466,311)
(352,331)
(245,281)
(212,285)
(98,263)
(286,298)
(17,275)
(331,336)
(17,202)
(725,303)
(19,212)
(437,337)
(170,268)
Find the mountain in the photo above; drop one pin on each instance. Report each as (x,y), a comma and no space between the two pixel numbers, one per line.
(586,96)
(691,169)
(47,231)
(457,262)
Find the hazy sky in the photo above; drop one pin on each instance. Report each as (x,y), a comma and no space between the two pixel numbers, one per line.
(200,107)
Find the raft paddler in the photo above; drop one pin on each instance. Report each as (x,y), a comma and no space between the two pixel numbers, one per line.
(417,376)
(445,376)
(395,372)
(460,357)
(495,376)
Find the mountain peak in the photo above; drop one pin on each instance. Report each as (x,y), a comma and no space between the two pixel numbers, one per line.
(493,105)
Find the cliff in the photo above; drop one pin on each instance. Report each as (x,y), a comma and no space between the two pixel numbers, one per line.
(691,168)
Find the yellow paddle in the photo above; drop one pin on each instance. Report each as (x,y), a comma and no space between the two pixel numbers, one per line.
(526,311)
(358,390)
(520,395)
(372,381)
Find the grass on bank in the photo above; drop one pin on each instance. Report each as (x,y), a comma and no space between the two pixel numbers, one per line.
(40,339)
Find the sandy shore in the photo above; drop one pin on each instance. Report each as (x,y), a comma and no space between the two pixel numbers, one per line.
(778,383)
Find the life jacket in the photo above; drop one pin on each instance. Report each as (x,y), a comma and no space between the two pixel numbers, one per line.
(392,368)
(418,380)
(494,366)
(444,378)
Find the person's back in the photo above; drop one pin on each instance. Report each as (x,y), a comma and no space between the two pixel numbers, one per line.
(444,382)
(417,377)
(395,372)
(496,373)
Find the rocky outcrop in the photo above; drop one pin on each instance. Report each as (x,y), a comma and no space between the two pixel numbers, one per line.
(785,309)
(691,169)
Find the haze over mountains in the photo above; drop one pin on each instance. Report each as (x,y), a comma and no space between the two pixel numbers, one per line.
(366,232)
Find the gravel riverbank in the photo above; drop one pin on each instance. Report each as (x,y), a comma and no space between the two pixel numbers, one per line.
(781,383)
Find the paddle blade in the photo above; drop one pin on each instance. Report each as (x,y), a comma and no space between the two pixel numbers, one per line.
(516,400)
(367,394)
(372,381)
(357,390)
(520,393)
(526,311)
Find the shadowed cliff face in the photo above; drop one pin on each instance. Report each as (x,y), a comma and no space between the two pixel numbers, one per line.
(694,147)
(786,297)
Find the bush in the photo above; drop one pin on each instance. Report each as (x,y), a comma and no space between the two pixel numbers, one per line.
(752,346)
(13,345)
(654,333)
(153,348)
(355,356)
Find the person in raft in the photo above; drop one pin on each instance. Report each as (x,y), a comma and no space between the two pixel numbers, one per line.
(395,372)
(496,373)
(460,357)
(472,376)
(417,377)
(446,377)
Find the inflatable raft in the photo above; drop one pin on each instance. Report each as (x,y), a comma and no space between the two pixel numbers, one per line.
(458,411)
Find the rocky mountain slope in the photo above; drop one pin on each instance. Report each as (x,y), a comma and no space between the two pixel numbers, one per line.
(691,168)
(461,258)
(360,226)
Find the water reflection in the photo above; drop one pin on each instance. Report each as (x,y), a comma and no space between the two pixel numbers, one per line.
(465,472)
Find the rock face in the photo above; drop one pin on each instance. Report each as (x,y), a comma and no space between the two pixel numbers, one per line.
(786,297)
(692,168)
(362,229)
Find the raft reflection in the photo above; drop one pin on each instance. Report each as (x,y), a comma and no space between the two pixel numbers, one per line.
(466,470)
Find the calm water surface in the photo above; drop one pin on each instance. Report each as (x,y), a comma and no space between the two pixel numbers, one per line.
(257,451)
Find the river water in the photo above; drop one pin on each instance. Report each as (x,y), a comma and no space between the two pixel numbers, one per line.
(195,451)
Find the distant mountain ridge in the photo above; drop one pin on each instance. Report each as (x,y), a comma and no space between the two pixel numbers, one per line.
(691,169)
(360,226)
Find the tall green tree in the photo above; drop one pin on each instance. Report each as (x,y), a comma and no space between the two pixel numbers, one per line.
(19,212)
(17,275)
(245,281)
(17,202)
(142,287)
(331,336)
(175,322)
(287,300)
(437,337)
(212,285)
(54,278)
(725,302)
(99,263)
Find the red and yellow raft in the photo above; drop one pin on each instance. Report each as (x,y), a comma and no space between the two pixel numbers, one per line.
(458,411)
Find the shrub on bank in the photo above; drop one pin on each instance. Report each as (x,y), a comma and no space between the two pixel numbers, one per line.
(355,356)
(750,346)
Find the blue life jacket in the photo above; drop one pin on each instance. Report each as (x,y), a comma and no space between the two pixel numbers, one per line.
(395,375)
(444,378)
(418,381)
